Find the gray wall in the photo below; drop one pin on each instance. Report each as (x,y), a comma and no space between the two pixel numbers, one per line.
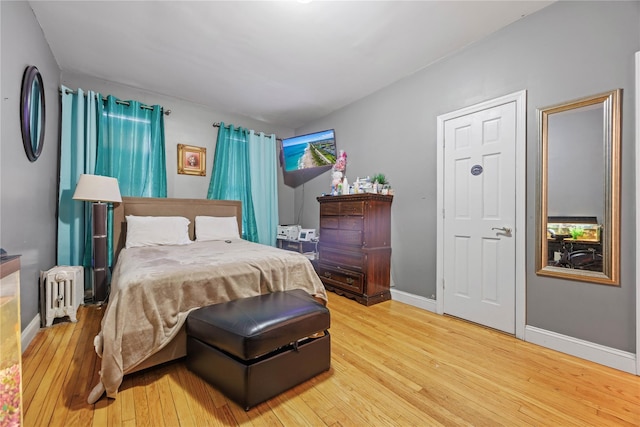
(566,51)
(576,163)
(27,190)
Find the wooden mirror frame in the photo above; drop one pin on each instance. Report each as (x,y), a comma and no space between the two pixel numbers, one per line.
(610,275)
(32,124)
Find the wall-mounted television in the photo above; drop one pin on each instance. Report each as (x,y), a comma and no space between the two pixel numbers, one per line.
(309,151)
(304,157)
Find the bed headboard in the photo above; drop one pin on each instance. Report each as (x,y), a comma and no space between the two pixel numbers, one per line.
(189,208)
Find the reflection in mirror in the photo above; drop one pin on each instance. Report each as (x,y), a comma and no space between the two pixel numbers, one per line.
(32,113)
(35,112)
(578,189)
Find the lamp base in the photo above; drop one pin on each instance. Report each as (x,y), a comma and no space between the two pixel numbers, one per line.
(100,252)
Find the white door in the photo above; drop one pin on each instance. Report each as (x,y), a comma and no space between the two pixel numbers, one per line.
(480,216)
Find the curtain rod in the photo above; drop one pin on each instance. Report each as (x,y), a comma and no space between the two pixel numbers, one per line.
(144,107)
(217,125)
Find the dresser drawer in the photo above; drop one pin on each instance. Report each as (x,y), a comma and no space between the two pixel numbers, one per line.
(329,222)
(352,208)
(342,208)
(346,258)
(342,222)
(344,279)
(353,223)
(330,209)
(344,237)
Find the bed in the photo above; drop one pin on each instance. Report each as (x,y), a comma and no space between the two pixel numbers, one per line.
(154,288)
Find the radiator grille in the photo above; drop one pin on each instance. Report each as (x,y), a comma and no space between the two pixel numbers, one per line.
(61,293)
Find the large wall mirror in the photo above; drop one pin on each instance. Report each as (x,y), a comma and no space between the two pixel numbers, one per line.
(578,233)
(32,113)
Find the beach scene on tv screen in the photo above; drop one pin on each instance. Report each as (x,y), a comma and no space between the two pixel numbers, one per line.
(309,151)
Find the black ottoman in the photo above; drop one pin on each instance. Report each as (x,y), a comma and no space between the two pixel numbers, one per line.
(253,349)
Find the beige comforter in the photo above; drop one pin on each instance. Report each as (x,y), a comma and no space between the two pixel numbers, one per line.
(154,288)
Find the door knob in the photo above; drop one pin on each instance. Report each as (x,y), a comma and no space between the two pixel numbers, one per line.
(505,230)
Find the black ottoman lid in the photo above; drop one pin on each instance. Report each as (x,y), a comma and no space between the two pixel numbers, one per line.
(254,326)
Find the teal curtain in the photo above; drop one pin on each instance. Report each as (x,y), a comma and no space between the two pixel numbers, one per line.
(230,179)
(264,185)
(131,148)
(78,137)
(112,138)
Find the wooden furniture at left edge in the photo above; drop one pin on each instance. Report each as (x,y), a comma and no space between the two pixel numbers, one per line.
(354,253)
(10,343)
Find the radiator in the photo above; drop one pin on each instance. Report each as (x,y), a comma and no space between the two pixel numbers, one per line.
(61,293)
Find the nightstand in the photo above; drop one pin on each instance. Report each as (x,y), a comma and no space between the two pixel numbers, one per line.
(296,245)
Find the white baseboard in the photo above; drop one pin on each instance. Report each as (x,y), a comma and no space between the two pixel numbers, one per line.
(30,332)
(597,353)
(414,300)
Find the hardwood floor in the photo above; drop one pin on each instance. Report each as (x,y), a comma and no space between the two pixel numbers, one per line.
(392,364)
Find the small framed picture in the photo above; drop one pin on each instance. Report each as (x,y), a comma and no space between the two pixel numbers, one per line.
(192,160)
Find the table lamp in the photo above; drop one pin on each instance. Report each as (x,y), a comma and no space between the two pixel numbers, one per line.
(100,190)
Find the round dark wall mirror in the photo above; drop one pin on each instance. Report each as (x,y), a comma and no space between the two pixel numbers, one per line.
(32,113)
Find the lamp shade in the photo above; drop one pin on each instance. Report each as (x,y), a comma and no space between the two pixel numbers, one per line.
(96,188)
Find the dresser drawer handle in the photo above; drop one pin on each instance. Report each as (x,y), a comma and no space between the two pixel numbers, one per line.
(350,280)
(327,274)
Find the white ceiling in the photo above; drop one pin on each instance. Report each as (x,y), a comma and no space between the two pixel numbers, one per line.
(282,62)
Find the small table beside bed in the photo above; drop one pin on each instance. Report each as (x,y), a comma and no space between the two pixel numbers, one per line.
(155,286)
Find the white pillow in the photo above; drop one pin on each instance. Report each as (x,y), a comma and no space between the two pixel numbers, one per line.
(216,228)
(157,231)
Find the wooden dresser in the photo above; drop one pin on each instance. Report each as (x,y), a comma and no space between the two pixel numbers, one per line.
(355,246)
